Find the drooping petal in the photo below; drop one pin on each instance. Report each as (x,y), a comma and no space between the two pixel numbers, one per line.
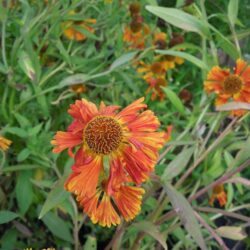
(138,165)
(104,214)
(83,181)
(128,200)
(82,157)
(117,176)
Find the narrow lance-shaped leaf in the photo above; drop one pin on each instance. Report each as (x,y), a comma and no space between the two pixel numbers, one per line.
(231,232)
(83,78)
(57,226)
(174,99)
(232,12)
(197,62)
(55,197)
(186,214)
(6,216)
(26,65)
(149,228)
(180,19)
(176,166)
(24,191)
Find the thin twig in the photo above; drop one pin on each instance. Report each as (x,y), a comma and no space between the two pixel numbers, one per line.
(223,212)
(204,155)
(211,231)
(221,180)
(119,230)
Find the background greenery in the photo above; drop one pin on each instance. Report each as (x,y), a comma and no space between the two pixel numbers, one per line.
(37,67)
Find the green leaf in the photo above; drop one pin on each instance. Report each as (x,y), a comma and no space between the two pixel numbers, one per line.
(55,197)
(87,33)
(26,65)
(57,226)
(8,240)
(74,79)
(225,44)
(16,131)
(130,83)
(6,216)
(22,120)
(24,154)
(185,56)
(231,232)
(19,167)
(24,192)
(233,106)
(83,78)
(174,99)
(90,244)
(151,229)
(242,155)
(180,19)
(232,11)
(186,214)
(179,163)
(35,130)
(123,60)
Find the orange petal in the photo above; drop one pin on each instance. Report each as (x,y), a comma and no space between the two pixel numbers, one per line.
(84,179)
(83,110)
(128,201)
(104,214)
(130,112)
(138,165)
(63,140)
(240,66)
(144,122)
(4,143)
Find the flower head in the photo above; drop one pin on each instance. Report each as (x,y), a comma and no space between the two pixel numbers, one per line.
(135,34)
(154,75)
(160,40)
(218,194)
(229,85)
(170,62)
(4,143)
(114,151)
(134,8)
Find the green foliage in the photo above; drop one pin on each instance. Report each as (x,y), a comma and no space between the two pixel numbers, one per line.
(40,66)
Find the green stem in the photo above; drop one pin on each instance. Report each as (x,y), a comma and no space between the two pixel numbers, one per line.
(211,42)
(3,44)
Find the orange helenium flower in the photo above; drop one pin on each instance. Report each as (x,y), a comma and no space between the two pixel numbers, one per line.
(227,85)
(169,62)
(154,75)
(72,33)
(4,143)
(127,140)
(160,40)
(219,194)
(135,35)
